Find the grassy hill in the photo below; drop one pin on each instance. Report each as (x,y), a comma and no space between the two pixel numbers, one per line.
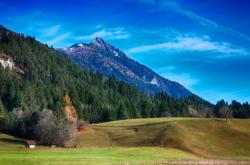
(209,138)
(142,140)
(8,142)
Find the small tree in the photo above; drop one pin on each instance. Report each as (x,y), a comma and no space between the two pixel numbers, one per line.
(51,130)
(63,132)
(227,113)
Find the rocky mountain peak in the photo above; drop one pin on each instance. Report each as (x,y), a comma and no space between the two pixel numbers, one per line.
(99,42)
(102,57)
(78,45)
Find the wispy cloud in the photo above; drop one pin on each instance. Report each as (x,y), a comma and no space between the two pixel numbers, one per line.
(58,39)
(53,31)
(200,44)
(183,78)
(52,34)
(46,28)
(50,31)
(172,5)
(111,34)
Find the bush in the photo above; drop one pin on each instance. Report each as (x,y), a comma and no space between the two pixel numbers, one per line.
(51,130)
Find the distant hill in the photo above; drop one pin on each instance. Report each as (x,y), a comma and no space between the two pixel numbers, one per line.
(102,57)
(208,138)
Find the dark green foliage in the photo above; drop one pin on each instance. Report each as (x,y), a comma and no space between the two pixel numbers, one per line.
(1,108)
(219,112)
(240,110)
(166,104)
(235,109)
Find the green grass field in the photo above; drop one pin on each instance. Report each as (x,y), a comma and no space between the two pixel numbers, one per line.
(13,152)
(145,141)
(46,156)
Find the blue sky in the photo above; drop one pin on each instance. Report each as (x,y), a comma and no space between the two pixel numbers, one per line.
(204,45)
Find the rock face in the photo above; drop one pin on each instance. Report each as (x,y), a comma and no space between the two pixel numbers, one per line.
(70,112)
(99,56)
(7,62)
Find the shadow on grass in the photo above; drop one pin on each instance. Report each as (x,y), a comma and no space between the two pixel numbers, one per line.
(15,141)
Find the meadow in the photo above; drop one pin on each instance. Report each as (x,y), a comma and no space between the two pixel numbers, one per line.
(142,141)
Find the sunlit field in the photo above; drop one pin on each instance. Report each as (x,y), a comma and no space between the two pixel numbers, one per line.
(145,141)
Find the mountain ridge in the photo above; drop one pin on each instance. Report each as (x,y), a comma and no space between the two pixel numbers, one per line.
(99,56)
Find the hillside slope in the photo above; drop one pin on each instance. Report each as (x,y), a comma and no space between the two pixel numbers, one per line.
(210,138)
(36,77)
(102,57)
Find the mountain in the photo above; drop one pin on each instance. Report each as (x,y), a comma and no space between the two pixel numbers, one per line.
(102,57)
(35,77)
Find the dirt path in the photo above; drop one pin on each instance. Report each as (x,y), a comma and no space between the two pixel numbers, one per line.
(209,162)
(190,162)
(81,131)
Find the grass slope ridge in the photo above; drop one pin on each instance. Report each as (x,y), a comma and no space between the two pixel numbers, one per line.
(209,138)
